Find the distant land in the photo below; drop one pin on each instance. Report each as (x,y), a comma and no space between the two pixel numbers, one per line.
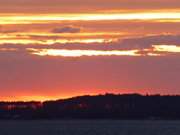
(108,106)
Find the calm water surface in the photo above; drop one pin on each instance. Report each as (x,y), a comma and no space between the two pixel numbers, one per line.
(90,127)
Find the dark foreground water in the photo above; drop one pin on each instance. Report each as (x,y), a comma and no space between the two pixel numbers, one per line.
(92,127)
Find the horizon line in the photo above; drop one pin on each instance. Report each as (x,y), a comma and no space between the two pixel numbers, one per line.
(91,95)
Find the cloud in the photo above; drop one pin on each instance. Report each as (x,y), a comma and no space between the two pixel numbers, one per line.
(83,6)
(147,41)
(8,49)
(157,45)
(67,29)
(7,31)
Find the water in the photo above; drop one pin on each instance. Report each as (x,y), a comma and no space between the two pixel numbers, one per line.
(90,127)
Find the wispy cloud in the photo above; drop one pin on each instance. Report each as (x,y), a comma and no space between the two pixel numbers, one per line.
(158,45)
(55,18)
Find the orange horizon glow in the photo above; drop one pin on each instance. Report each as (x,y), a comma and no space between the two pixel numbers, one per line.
(42,98)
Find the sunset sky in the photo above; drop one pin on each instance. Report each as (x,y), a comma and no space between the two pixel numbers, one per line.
(51,49)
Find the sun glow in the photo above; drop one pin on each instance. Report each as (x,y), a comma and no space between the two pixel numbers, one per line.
(167,48)
(46,18)
(79,53)
(30,98)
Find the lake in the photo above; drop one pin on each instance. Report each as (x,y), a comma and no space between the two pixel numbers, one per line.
(89,127)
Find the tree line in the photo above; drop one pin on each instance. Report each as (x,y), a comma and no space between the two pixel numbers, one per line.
(108,106)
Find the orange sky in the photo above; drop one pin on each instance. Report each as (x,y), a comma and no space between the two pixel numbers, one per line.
(59,49)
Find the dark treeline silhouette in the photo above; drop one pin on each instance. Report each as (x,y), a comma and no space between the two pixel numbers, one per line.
(109,106)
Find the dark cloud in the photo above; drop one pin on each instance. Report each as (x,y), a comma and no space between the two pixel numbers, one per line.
(148,41)
(67,29)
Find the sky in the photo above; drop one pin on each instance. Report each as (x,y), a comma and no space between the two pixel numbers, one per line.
(51,49)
